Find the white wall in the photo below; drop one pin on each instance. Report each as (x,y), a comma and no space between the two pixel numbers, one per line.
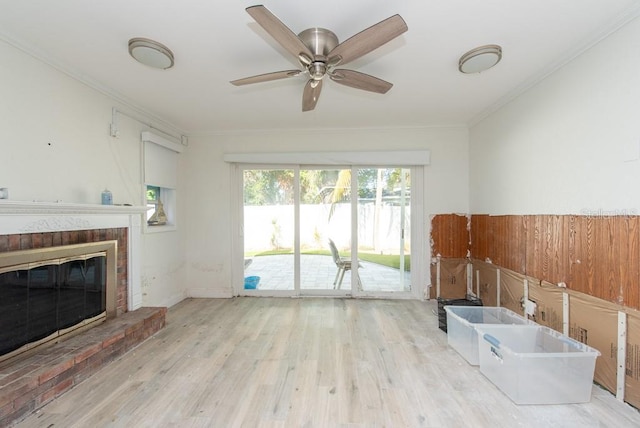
(209,195)
(55,146)
(571,144)
(54,137)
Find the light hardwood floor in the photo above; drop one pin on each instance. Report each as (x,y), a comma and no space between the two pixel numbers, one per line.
(280,362)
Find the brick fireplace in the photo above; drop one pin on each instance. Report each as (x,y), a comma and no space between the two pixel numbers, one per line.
(33,378)
(25,226)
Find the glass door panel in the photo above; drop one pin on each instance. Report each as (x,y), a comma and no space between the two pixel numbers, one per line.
(325,220)
(269,231)
(384,243)
(298,230)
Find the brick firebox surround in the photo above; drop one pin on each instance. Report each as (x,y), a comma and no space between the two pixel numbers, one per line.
(30,383)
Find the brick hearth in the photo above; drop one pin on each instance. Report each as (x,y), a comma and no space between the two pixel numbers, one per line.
(32,382)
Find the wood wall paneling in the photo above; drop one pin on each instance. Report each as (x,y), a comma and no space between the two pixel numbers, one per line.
(500,239)
(529,246)
(632,296)
(497,240)
(498,236)
(627,234)
(583,262)
(517,247)
(613,285)
(535,266)
(480,234)
(560,227)
(450,235)
(595,255)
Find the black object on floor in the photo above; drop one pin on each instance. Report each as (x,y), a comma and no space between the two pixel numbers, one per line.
(469,300)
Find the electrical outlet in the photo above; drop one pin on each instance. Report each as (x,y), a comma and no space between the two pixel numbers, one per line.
(530,307)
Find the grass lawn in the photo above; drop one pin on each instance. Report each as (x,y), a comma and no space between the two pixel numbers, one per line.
(392,261)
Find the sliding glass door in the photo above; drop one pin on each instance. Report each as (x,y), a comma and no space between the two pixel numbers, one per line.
(326,230)
(269,229)
(384,229)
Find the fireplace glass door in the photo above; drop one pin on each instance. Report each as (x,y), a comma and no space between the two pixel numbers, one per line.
(38,300)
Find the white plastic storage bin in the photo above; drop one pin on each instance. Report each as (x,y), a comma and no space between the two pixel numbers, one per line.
(536,365)
(463,320)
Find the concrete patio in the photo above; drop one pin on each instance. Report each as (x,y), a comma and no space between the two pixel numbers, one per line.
(318,273)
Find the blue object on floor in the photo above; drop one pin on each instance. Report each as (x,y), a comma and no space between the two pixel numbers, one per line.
(251,282)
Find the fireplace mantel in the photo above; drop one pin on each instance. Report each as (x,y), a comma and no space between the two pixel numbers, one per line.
(19,217)
(26,207)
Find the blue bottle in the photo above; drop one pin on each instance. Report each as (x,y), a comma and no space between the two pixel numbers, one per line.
(107,197)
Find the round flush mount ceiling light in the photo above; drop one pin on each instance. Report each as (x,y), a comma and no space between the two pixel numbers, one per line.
(480,59)
(151,53)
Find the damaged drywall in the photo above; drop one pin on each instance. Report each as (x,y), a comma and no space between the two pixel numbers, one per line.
(548,300)
(511,290)
(632,362)
(595,323)
(485,282)
(452,283)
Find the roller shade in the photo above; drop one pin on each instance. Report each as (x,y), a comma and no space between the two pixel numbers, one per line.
(160,166)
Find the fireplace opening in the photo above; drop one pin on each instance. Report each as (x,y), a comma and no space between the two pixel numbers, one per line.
(47,294)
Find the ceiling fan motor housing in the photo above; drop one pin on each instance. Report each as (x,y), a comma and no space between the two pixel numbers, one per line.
(320,41)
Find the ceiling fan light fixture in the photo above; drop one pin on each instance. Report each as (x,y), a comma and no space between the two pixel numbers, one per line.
(480,59)
(151,53)
(317,70)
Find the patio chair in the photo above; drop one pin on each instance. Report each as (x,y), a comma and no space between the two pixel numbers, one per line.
(343,264)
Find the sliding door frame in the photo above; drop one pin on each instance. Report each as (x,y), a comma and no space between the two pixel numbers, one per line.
(420,247)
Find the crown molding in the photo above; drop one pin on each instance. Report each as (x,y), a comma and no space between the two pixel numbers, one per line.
(632,13)
(43,57)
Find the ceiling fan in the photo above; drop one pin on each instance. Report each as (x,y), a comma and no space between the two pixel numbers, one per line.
(319,53)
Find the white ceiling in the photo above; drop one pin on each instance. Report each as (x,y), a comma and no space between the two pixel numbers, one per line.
(216,41)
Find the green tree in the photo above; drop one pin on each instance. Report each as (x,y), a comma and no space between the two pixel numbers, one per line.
(268,187)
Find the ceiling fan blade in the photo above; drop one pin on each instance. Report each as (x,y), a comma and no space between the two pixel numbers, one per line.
(311,94)
(358,80)
(369,39)
(280,32)
(266,77)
